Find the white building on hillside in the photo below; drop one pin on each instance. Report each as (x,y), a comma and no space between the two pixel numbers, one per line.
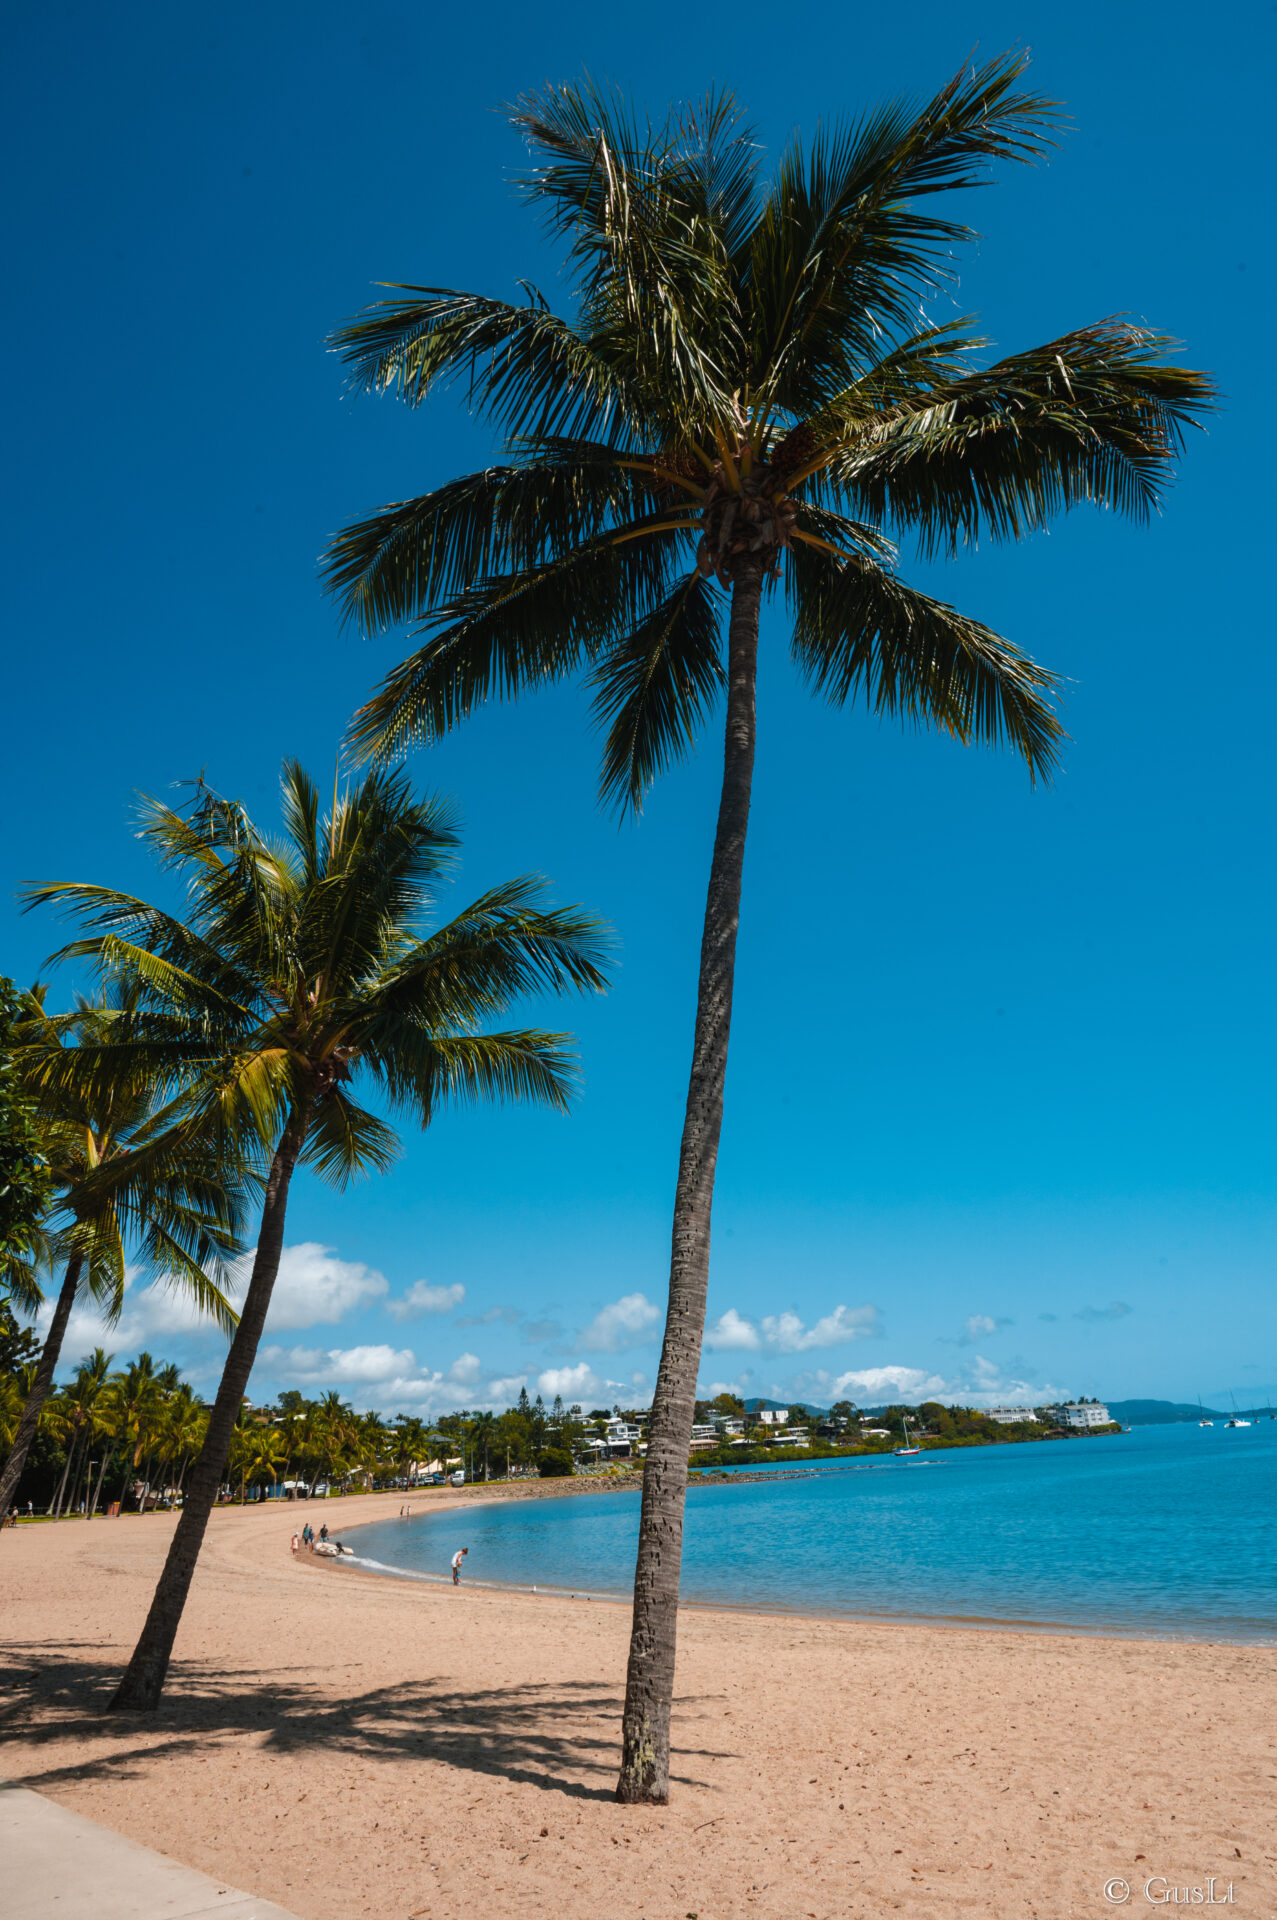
(773,1417)
(1011,1416)
(1084,1413)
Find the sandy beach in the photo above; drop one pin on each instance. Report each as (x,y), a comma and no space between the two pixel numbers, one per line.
(349,1745)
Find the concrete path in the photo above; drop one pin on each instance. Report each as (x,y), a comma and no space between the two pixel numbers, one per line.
(58,1866)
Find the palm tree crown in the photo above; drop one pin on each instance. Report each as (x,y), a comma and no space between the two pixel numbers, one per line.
(747,374)
(302,968)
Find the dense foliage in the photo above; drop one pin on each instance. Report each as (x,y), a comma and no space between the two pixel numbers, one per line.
(25,1180)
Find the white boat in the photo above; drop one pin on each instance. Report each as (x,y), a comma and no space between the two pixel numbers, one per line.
(1203,1422)
(1236,1420)
(903,1453)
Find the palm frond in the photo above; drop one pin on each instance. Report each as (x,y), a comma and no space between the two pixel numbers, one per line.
(518,630)
(501,1067)
(841,254)
(505,944)
(656,686)
(522,366)
(346,1142)
(860,632)
(393,566)
(1096,416)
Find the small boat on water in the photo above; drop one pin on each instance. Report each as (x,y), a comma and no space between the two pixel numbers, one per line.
(1236,1420)
(1203,1422)
(905,1452)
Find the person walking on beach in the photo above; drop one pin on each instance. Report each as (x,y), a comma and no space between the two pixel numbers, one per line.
(296,1540)
(457,1558)
(323,1531)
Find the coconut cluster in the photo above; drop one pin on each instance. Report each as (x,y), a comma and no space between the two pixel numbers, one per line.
(744,513)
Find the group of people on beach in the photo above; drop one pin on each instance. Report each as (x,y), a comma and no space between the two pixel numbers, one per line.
(307,1537)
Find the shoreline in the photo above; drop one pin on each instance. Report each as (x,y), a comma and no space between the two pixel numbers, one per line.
(1136,1632)
(384,1748)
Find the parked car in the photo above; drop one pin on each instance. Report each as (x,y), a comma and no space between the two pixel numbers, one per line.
(457,1479)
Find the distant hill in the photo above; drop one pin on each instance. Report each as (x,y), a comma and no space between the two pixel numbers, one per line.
(773,1406)
(1159,1413)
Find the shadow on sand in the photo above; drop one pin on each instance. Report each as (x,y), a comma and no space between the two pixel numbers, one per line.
(563,1738)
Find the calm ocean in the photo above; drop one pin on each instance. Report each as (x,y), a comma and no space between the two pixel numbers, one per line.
(1164,1531)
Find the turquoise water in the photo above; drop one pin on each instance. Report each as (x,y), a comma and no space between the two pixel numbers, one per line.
(1163,1531)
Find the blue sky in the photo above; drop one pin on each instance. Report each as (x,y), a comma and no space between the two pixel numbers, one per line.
(999,1111)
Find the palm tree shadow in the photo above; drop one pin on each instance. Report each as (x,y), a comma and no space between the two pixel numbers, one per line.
(561,1738)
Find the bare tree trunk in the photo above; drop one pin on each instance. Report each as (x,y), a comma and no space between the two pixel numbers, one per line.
(143,1682)
(88,1469)
(649,1688)
(55,1505)
(40,1386)
(97,1491)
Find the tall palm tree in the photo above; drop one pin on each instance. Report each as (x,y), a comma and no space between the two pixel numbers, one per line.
(125,1171)
(256,1453)
(134,1406)
(306,962)
(79,1406)
(747,397)
(409,1440)
(481,1434)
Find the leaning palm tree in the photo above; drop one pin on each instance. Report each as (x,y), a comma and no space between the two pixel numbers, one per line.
(126,1171)
(306,963)
(747,398)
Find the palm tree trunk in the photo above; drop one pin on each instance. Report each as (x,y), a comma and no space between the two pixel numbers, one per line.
(88,1474)
(40,1386)
(55,1505)
(649,1687)
(97,1491)
(143,1682)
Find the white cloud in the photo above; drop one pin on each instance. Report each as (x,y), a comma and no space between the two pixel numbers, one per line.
(873,1384)
(573,1383)
(625,1323)
(979,1326)
(465,1370)
(422,1297)
(150,1314)
(729,1331)
(504,1393)
(313,1288)
(981,1383)
(787,1334)
(311,1366)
